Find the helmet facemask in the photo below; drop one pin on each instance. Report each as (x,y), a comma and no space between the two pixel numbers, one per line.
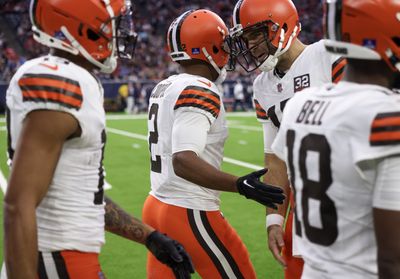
(252,46)
(126,37)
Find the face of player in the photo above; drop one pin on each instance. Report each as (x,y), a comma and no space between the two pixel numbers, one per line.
(257,44)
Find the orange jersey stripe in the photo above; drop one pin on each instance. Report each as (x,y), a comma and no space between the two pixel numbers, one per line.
(338,78)
(202,94)
(338,67)
(38,81)
(385,136)
(53,96)
(388,121)
(260,112)
(200,102)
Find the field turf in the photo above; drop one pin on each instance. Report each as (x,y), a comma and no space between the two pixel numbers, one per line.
(127,167)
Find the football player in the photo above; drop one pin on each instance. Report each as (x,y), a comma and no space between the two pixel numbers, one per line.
(187,131)
(265,37)
(54,208)
(342,145)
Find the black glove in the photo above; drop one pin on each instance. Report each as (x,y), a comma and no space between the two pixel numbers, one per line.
(251,187)
(171,253)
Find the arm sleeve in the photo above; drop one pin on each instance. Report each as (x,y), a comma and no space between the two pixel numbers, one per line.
(189,132)
(387,190)
(270,131)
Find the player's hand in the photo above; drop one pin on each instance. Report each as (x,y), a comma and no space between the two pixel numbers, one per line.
(251,187)
(276,243)
(171,253)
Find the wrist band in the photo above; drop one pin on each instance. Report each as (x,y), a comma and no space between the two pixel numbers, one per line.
(274,219)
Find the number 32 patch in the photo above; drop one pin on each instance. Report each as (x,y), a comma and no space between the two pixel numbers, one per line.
(301,82)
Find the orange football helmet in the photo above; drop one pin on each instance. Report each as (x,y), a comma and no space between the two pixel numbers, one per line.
(276,23)
(199,34)
(99,30)
(364,29)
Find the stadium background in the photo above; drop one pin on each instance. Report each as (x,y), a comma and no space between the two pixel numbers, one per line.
(126,153)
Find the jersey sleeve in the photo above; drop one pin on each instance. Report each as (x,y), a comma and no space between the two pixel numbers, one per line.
(387,191)
(189,132)
(49,91)
(380,138)
(278,145)
(260,112)
(269,131)
(199,99)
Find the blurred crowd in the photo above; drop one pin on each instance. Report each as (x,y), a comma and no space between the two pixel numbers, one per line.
(152,19)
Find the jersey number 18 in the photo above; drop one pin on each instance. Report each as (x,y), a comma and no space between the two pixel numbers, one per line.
(316,190)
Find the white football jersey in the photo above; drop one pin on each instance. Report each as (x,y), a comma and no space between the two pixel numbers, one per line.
(314,67)
(331,137)
(71,215)
(170,98)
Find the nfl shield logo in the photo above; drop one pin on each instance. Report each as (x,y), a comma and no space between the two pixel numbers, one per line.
(196,50)
(279,87)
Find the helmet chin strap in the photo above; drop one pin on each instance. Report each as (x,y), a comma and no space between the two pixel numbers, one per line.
(221,72)
(108,66)
(270,63)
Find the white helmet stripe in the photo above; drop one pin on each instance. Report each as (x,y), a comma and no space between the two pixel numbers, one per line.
(331,20)
(175,34)
(236,13)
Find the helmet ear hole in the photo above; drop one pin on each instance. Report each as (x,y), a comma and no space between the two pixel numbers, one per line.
(396,40)
(92,35)
(215,50)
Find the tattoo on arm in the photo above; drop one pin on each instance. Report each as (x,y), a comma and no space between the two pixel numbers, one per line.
(119,222)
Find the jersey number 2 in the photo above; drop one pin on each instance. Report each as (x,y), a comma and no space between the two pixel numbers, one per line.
(153,139)
(314,190)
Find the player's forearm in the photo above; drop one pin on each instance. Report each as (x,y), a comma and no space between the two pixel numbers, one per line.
(194,169)
(20,241)
(388,268)
(282,208)
(277,175)
(119,222)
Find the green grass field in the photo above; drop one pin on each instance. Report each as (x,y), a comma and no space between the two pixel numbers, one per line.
(127,166)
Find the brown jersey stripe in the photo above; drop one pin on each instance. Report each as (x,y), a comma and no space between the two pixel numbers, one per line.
(61,267)
(202,89)
(33,88)
(338,78)
(385,142)
(387,114)
(260,112)
(385,129)
(52,97)
(338,69)
(53,83)
(194,94)
(198,104)
(385,138)
(54,77)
